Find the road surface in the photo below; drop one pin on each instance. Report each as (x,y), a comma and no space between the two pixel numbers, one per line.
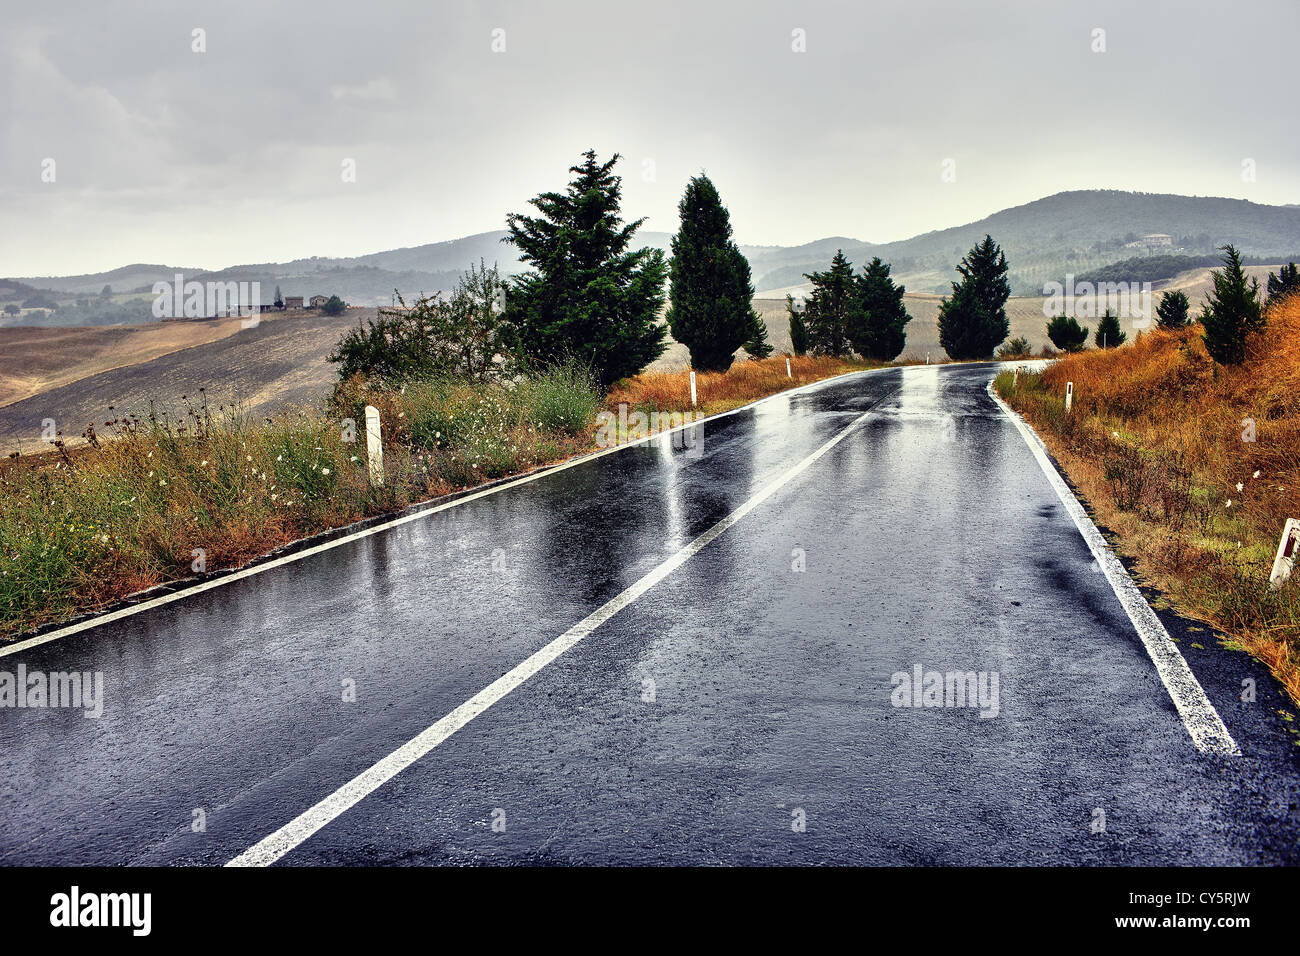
(739,706)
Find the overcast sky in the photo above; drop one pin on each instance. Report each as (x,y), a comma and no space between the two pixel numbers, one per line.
(234,155)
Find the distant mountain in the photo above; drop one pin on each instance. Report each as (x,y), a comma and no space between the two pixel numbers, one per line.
(1074,232)
(124,279)
(1070,232)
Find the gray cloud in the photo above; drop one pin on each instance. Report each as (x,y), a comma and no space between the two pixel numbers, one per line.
(235,155)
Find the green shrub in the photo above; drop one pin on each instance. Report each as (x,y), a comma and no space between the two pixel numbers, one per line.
(562,397)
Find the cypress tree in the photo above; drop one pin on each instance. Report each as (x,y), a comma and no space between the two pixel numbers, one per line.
(711,311)
(876,328)
(757,344)
(1066,334)
(1231,312)
(828,310)
(973,321)
(1108,332)
(798,328)
(586,296)
(1286,282)
(1172,311)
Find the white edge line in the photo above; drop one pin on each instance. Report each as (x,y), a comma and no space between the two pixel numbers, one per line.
(248,572)
(1200,718)
(299,829)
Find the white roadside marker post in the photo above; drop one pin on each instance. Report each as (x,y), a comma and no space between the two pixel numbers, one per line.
(374,447)
(788,373)
(1015,378)
(1286,554)
(693,388)
(1069,396)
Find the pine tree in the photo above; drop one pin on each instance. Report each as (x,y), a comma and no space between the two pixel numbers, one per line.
(1066,334)
(1108,332)
(279,299)
(973,321)
(1172,312)
(828,310)
(711,310)
(1231,312)
(876,327)
(798,328)
(1285,283)
(586,297)
(757,344)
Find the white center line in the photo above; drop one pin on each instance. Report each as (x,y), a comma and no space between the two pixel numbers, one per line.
(293,833)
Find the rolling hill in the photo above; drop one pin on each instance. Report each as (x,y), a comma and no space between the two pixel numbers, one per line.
(74,375)
(1070,232)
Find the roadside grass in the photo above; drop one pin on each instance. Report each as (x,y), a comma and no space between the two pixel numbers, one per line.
(163,496)
(166,498)
(1158,440)
(744,382)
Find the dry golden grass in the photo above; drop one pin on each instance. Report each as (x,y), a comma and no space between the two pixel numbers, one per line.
(744,382)
(1158,443)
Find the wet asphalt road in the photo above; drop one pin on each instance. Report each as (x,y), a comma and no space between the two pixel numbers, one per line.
(734,701)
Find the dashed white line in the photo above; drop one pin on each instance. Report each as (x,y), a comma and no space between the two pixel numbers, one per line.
(293,833)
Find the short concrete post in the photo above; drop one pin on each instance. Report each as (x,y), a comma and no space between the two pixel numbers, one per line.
(374,447)
(1286,553)
(1015,378)
(1069,396)
(788,373)
(693,402)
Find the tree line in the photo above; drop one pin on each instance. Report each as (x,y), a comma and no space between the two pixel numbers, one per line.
(1233,311)
(849,312)
(589,297)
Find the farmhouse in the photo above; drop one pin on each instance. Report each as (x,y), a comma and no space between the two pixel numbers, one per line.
(318,300)
(293,302)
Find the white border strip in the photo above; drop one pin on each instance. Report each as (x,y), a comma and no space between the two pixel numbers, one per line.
(293,833)
(248,572)
(1198,714)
